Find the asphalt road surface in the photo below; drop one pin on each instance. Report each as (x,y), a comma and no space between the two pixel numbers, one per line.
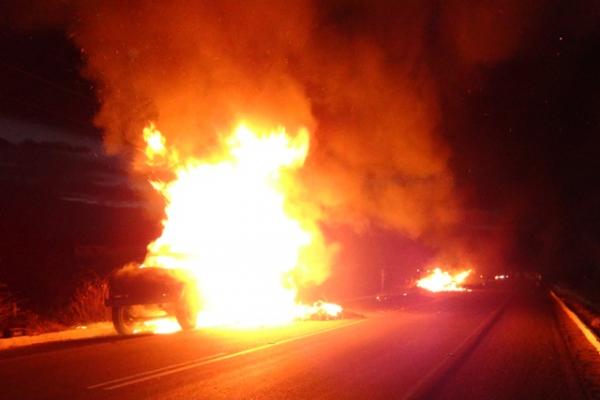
(486,344)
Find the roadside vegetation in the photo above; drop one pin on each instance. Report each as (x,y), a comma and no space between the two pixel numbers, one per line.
(6,304)
(84,306)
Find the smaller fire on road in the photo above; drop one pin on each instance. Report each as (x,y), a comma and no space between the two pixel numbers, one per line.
(443,281)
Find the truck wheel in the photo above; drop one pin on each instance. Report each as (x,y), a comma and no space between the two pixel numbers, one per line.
(186,310)
(122,320)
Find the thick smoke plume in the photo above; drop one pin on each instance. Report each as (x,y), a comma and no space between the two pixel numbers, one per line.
(361,76)
(355,77)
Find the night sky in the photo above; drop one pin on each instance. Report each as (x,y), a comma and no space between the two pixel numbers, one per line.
(521,124)
(525,139)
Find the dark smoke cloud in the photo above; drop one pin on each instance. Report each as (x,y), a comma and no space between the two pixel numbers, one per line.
(195,67)
(371,80)
(353,73)
(491,31)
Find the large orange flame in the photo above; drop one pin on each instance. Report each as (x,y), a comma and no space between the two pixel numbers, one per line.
(230,223)
(443,281)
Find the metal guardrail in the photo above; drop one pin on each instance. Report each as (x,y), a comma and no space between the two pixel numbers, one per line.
(587,332)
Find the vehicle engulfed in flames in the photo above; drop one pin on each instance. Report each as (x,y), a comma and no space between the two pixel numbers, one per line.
(235,233)
(137,295)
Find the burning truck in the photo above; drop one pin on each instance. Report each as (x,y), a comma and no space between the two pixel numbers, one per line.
(235,246)
(138,295)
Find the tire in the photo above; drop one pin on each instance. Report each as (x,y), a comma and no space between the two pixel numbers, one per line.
(186,310)
(122,320)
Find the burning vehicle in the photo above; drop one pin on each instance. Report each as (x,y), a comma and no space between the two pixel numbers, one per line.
(439,280)
(278,244)
(137,295)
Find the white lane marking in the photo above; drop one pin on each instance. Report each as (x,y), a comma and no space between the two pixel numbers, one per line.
(151,371)
(587,332)
(173,369)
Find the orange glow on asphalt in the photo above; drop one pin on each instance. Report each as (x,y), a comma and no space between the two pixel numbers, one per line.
(158,326)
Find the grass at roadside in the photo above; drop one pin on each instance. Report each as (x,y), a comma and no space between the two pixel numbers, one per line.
(83,307)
